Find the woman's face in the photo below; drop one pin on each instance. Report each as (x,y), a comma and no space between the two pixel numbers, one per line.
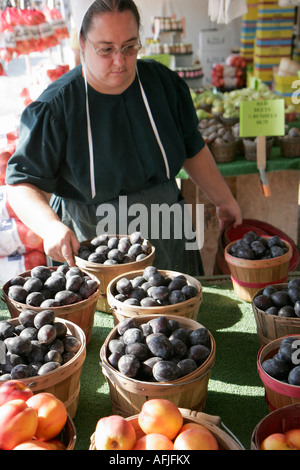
(112,74)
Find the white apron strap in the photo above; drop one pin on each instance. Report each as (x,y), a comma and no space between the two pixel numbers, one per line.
(154,127)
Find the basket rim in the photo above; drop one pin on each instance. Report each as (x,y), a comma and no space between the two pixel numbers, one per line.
(261,263)
(177,382)
(130,274)
(272,383)
(80,262)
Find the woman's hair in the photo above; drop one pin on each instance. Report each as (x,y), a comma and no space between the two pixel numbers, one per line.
(108,6)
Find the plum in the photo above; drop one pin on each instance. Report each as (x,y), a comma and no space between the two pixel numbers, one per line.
(165,371)
(128,365)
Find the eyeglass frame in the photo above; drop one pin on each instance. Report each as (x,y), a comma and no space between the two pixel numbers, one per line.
(116,50)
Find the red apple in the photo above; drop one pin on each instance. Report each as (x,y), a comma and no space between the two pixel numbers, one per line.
(114,433)
(14,389)
(275,441)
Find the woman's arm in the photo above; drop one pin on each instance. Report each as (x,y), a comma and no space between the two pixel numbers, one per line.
(32,207)
(203,171)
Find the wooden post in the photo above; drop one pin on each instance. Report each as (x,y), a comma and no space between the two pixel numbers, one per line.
(261,165)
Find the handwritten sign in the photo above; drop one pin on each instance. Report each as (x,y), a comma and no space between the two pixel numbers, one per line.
(262,118)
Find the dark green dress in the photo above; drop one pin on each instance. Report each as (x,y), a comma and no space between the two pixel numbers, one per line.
(53,153)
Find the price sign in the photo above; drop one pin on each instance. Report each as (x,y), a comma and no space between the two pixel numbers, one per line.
(262,118)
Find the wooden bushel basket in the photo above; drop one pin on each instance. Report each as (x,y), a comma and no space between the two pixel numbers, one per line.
(270,327)
(63,382)
(68,435)
(212,423)
(248,276)
(81,313)
(106,273)
(278,421)
(189,308)
(127,395)
(277,393)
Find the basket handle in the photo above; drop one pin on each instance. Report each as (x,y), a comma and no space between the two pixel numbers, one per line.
(215,420)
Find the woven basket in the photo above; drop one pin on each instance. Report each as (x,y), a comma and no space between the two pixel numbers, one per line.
(278,421)
(63,382)
(290,147)
(250,149)
(277,394)
(270,327)
(81,313)
(212,423)
(189,308)
(127,395)
(223,153)
(105,273)
(248,276)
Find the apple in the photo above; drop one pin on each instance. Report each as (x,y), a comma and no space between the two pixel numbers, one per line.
(18,423)
(161,416)
(14,389)
(114,433)
(51,412)
(196,439)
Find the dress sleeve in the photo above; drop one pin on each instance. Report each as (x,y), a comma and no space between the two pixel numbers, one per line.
(41,148)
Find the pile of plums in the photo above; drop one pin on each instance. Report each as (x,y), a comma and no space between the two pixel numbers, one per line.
(38,344)
(284,365)
(46,288)
(159,350)
(255,247)
(110,250)
(283,301)
(154,289)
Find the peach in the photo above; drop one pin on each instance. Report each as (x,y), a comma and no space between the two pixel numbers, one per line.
(193,426)
(293,438)
(18,423)
(196,439)
(275,441)
(154,441)
(33,444)
(56,444)
(114,433)
(13,390)
(161,416)
(52,415)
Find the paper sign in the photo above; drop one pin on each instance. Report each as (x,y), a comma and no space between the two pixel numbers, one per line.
(262,118)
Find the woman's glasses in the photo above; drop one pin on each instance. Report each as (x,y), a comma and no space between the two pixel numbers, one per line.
(126,51)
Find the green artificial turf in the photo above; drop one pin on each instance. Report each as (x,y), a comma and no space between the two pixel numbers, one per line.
(235,392)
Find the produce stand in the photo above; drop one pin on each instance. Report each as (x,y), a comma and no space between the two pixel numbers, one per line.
(235,392)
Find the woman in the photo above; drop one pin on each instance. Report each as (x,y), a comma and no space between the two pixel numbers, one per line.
(114,128)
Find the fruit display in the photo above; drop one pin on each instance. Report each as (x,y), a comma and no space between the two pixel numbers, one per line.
(214,131)
(158,426)
(289,440)
(280,300)
(48,288)
(111,250)
(158,350)
(38,344)
(284,365)
(254,247)
(154,289)
(28,421)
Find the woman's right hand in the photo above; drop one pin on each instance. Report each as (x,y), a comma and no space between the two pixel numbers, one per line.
(60,243)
